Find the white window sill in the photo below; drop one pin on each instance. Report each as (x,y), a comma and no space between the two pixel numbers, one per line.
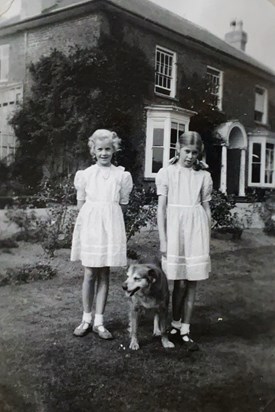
(261,123)
(166,96)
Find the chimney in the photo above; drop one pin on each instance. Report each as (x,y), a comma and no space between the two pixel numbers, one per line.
(236,37)
(30,8)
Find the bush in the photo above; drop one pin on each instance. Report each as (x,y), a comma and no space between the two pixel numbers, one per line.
(221,209)
(56,230)
(27,274)
(27,222)
(268,215)
(141,210)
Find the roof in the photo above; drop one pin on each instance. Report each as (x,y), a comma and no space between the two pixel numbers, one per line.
(160,16)
(152,12)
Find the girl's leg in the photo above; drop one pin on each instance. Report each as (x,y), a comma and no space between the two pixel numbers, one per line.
(102,289)
(101,299)
(188,307)
(88,287)
(177,303)
(189,301)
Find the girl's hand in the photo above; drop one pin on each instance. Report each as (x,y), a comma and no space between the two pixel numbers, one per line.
(163,247)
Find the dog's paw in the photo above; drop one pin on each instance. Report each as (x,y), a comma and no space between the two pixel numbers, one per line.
(157,332)
(167,344)
(134,344)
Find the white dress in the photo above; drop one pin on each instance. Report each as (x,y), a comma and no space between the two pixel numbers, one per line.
(99,237)
(187,223)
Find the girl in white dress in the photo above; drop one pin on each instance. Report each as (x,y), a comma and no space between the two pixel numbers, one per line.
(99,238)
(184,223)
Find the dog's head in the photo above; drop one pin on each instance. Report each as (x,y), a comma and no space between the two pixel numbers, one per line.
(140,277)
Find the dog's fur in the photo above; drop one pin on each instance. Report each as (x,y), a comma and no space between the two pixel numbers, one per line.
(147,287)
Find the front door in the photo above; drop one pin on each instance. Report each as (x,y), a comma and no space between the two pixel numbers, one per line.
(233,171)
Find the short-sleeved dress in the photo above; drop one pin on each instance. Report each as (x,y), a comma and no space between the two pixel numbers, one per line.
(187,223)
(99,237)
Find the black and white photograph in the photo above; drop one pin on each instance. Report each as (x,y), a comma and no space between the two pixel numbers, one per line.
(137,205)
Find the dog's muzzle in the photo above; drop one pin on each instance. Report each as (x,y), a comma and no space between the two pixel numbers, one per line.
(130,292)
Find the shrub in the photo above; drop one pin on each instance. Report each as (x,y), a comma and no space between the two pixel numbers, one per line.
(27,222)
(221,209)
(268,215)
(27,274)
(56,229)
(141,210)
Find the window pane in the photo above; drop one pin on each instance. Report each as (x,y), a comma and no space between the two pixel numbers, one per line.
(163,67)
(256,162)
(256,152)
(214,77)
(173,140)
(256,173)
(269,163)
(157,162)
(258,116)
(158,137)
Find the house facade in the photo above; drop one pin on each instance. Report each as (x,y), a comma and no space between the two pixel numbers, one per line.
(241,87)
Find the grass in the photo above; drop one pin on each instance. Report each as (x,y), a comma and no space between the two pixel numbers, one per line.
(45,369)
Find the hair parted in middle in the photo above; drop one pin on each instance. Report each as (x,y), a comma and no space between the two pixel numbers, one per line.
(104,134)
(191,139)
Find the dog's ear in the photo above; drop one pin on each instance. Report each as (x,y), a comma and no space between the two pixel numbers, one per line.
(152,274)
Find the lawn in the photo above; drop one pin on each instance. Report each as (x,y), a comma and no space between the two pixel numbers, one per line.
(45,369)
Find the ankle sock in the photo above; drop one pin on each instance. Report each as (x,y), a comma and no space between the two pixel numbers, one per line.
(175,324)
(87,317)
(185,328)
(98,321)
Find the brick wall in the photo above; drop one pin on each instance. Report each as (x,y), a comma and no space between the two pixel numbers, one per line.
(239,84)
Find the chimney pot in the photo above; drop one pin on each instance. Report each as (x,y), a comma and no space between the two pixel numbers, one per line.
(237,37)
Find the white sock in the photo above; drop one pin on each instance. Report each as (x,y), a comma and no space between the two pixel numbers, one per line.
(87,317)
(98,321)
(185,328)
(176,324)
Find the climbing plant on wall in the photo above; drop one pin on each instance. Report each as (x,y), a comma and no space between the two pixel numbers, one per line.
(195,95)
(73,94)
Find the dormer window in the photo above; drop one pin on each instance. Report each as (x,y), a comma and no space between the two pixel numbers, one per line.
(165,72)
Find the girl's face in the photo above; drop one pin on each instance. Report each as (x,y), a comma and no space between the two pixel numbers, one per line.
(188,155)
(104,152)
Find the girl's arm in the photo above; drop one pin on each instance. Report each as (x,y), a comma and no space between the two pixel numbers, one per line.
(161,217)
(80,203)
(207,209)
(124,208)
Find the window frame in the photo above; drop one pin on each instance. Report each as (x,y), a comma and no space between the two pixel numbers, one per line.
(162,117)
(172,93)
(221,80)
(263,141)
(265,108)
(10,97)
(4,58)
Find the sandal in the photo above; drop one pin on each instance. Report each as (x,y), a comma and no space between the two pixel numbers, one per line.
(102,332)
(190,345)
(83,329)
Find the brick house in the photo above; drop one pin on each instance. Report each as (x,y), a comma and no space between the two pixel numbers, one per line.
(241,87)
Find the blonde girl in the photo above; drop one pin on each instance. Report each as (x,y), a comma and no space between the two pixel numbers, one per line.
(184,222)
(99,239)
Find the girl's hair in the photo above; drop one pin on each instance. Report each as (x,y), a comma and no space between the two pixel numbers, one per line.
(104,134)
(191,139)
